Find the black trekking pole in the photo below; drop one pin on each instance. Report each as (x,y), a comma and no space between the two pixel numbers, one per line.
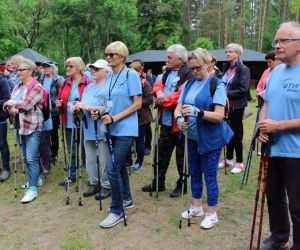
(98,161)
(80,165)
(118,178)
(224,155)
(185,175)
(67,181)
(15,164)
(251,149)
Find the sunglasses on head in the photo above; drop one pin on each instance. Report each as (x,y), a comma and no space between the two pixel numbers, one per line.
(111,54)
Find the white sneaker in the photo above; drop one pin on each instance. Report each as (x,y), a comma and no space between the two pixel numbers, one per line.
(192,212)
(209,221)
(226,162)
(29,196)
(39,183)
(238,168)
(111,220)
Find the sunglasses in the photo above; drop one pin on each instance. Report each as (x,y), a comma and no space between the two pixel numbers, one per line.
(96,69)
(111,55)
(46,66)
(197,68)
(21,70)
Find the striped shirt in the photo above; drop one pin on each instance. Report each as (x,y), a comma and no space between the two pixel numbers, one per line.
(30,114)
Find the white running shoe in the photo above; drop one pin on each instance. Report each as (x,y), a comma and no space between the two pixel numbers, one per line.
(192,212)
(238,168)
(29,196)
(226,162)
(111,220)
(209,221)
(39,184)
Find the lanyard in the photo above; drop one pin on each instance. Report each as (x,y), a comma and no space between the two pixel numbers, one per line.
(73,89)
(112,87)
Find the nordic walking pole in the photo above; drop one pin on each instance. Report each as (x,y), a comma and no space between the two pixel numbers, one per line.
(15,164)
(67,182)
(185,173)
(98,162)
(80,165)
(111,150)
(155,156)
(225,166)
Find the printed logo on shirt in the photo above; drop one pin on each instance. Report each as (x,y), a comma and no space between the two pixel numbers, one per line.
(290,86)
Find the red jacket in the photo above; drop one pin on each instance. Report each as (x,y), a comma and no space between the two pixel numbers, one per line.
(171,101)
(64,93)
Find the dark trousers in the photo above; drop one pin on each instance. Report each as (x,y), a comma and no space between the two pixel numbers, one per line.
(148,136)
(283,182)
(236,143)
(167,141)
(5,154)
(54,135)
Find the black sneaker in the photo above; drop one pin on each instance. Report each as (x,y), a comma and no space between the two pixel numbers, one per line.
(92,189)
(105,193)
(269,244)
(147,151)
(4,176)
(153,189)
(63,182)
(177,192)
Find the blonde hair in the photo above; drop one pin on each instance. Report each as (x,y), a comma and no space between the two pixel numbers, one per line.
(201,55)
(137,66)
(118,48)
(16,59)
(30,64)
(236,47)
(77,62)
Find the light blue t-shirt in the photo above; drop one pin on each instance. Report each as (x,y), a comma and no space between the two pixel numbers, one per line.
(170,87)
(47,125)
(218,98)
(283,98)
(92,96)
(118,91)
(73,95)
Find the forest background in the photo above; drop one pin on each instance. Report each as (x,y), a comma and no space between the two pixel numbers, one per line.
(63,28)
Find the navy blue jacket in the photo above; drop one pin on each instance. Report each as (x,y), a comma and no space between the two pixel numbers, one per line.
(4,96)
(237,92)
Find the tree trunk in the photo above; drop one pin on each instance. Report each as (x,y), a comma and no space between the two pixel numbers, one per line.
(242,22)
(259,25)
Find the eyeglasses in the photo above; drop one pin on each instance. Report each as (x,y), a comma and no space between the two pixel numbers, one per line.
(111,55)
(21,70)
(46,66)
(284,41)
(70,66)
(96,69)
(197,68)
(229,51)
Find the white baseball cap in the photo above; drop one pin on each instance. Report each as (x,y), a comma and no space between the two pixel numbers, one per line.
(100,64)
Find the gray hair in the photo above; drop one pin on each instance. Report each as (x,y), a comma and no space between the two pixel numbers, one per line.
(294,25)
(30,64)
(180,51)
(236,47)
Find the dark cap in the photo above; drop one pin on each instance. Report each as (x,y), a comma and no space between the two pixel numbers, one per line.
(48,63)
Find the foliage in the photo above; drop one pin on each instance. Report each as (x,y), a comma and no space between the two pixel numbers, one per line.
(204,43)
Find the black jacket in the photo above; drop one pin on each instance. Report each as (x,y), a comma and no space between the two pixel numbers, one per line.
(4,96)
(237,92)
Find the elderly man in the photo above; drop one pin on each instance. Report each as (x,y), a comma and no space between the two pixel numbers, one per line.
(280,116)
(167,91)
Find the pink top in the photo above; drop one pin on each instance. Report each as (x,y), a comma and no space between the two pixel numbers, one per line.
(263,80)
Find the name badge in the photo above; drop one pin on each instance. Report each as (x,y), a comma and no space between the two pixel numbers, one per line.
(109,104)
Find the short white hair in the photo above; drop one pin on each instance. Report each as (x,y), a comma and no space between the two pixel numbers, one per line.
(180,51)
(236,47)
(294,25)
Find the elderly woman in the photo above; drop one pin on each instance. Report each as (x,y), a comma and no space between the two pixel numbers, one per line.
(71,90)
(123,97)
(236,76)
(25,100)
(207,133)
(92,100)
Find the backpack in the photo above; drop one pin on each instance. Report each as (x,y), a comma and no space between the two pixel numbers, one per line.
(45,102)
(212,88)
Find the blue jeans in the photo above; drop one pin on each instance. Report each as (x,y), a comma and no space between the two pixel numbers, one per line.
(5,155)
(31,147)
(140,144)
(207,165)
(117,173)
